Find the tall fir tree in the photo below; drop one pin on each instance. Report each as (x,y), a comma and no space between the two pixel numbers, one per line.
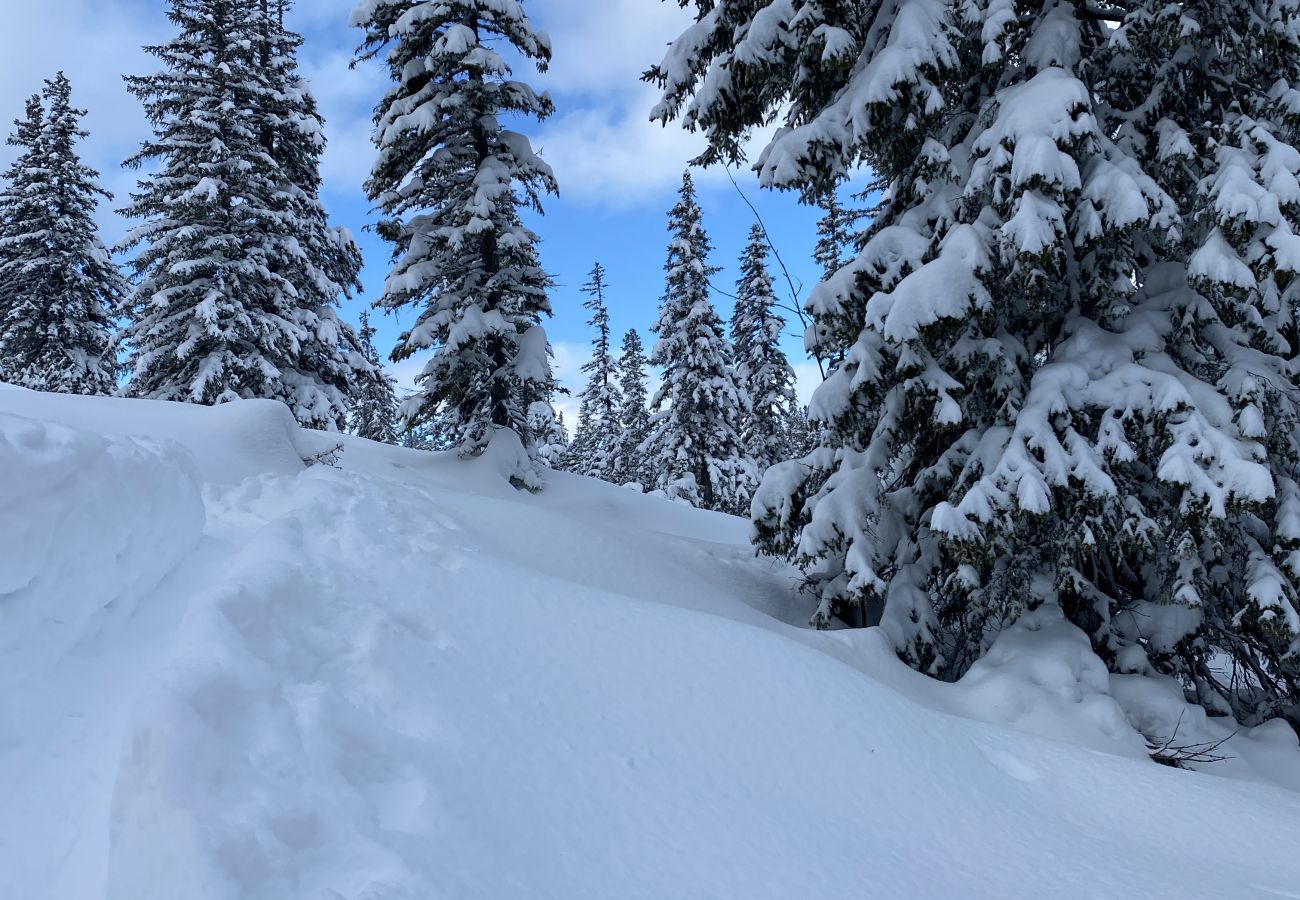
(695,450)
(634,413)
(59,288)
(1069,337)
(594,450)
(20,199)
(770,422)
(324,262)
(452,181)
(237,272)
(374,401)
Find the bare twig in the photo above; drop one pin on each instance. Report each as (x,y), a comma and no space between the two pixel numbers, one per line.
(1177,756)
(328,457)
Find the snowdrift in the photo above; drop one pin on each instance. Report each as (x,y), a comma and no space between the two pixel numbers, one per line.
(227,674)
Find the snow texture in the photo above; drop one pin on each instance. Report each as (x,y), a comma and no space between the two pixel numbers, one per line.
(226,675)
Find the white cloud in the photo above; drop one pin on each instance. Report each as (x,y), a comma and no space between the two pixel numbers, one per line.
(566,364)
(614,155)
(601,143)
(601,47)
(94,44)
(306,14)
(346,98)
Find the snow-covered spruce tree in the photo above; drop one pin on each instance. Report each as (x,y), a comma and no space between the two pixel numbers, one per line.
(374,399)
(835,232)
(801,432)
(761,364)
(634,412)
(1069,336)
(452,182)
(695,451)
(236,269)
(595,444)
(433,435)
(59,288)
(323,262)
(19,201)
(552,438)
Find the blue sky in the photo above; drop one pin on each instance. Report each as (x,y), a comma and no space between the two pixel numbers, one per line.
(618,172)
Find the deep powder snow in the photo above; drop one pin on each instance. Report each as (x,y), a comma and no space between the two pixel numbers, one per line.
(224,674)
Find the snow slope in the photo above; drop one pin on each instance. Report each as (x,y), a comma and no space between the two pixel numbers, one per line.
(227,675)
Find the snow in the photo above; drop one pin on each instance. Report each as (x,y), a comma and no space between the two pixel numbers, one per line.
(227,674)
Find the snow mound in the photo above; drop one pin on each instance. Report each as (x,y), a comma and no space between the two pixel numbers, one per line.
(85,521)
(228,443)
(1041,676)
(396,676)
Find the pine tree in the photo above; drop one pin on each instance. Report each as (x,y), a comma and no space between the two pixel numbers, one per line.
(634,413)
(374,410)
(237,271)
(452,182)
(761,366)
(695,450)
(595,445)
(1069,339)
(59,288)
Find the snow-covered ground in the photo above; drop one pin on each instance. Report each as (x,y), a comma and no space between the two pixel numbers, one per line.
(224,674)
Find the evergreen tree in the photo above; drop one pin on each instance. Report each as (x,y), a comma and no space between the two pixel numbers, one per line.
(374,410)
(802,433)
(834,234)
(59,288)
(325,262)
(237,271)
(452,182)
(595,444)
(433,435)
(634,413)
(552,438)
(695,450)
(1069,339)
(761,365)
(20,202)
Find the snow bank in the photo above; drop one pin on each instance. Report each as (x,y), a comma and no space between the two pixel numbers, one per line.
(402,678)
(228,443)
(85,521)
(1041,676)
(90,526)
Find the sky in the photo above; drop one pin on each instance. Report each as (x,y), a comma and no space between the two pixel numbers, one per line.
(618,172)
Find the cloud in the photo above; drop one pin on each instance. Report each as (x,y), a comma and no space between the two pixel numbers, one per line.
(605,150)
(601,48)
(613,155)
(566,364)
(346,98)
(307,14)
(94,44)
